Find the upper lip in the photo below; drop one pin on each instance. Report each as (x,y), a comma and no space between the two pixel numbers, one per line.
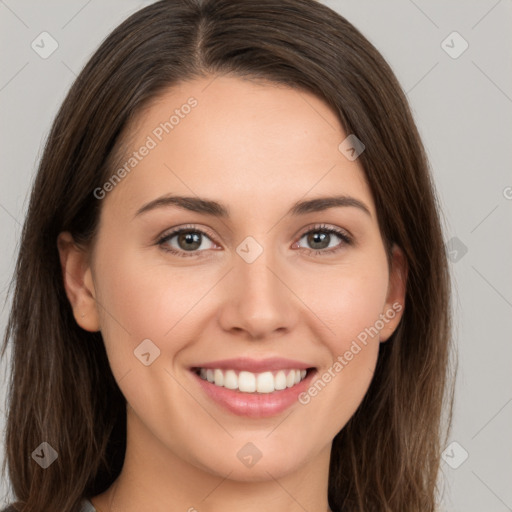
(256,365)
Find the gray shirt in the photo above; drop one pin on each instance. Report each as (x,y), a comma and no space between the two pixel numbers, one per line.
(87,506)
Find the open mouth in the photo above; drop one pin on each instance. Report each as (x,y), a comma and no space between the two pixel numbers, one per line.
(249,382)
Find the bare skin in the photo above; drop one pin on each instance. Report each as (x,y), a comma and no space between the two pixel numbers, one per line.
(257,149)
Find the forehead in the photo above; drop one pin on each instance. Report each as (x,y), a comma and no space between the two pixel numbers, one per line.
(235,139)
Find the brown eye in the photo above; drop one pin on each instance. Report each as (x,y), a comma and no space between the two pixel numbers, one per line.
(185,240)
(189,241)
(318,240)
(324,240)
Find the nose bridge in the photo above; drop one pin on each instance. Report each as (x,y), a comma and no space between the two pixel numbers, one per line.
(259,301)
(253,270)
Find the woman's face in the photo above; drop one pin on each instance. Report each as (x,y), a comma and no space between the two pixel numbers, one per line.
(271,276)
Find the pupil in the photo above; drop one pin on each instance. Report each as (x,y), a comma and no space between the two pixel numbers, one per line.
(318,238)
(192,241)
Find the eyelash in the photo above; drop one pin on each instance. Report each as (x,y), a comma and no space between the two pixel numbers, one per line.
(346,240)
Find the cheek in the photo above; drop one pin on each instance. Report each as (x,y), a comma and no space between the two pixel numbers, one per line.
(138,302)
(145,300)
(350,304)
(348,299)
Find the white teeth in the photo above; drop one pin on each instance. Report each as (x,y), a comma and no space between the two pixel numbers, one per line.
(248,382)
(280,381)
(265,382)
(290,379)
(218,377)
(230,380)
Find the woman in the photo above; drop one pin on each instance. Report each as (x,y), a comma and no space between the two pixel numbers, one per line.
(232,289)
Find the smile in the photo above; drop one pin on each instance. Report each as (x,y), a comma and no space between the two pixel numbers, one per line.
(249,382)
(254,388)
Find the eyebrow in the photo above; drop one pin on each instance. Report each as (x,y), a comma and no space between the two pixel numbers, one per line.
(216,209)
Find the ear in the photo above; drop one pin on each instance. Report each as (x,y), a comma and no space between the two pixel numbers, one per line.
(78,282)
(395,300)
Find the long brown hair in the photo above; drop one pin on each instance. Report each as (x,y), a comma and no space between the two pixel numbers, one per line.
(62,391)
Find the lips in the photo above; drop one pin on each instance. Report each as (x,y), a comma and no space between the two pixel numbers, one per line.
(254,388)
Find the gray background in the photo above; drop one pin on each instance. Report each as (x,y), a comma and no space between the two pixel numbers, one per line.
(463,108)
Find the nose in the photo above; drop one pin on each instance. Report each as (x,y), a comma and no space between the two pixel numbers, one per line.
(258,302)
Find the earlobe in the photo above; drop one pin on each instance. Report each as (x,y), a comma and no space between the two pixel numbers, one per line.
(397,288)
(78,282)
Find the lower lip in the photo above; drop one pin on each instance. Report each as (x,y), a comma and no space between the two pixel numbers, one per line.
(255,405)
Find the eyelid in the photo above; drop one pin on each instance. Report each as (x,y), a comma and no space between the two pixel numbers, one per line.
(327,227)
(188,227)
